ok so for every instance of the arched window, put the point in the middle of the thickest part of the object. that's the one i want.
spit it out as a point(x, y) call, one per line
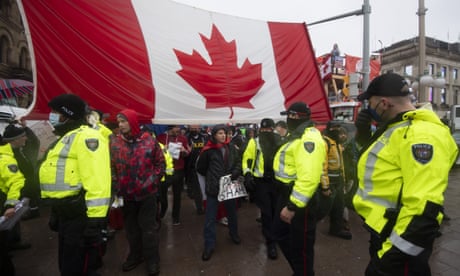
point(24, 59)
point(4, 49)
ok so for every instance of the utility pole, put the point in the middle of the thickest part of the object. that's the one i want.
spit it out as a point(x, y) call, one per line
point(366, 11)
point(366, 51)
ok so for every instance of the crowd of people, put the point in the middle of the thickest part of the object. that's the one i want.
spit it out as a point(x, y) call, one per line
point(392, 172)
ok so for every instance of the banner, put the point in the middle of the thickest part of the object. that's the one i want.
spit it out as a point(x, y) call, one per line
point(172, 63)
point(230, 189)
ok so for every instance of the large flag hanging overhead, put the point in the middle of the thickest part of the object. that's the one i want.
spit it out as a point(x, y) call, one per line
point(170, 62)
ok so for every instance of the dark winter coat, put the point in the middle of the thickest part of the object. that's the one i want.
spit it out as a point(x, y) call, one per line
point(212, 164)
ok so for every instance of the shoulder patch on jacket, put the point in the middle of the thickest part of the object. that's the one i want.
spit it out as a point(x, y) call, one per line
point(422, 152)
point(92, 144)
point(309, 146)
point(13, 168)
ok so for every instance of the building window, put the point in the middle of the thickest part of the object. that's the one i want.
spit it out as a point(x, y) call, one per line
point(24, 59)
point(443, 71)
point(431, 69)
point(408, 70)
point(455, 74)
point(430, 94)
point(4, 49)
point(443, 96)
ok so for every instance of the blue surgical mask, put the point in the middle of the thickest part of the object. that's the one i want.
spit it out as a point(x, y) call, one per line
point(374, 114)
point(54, 119)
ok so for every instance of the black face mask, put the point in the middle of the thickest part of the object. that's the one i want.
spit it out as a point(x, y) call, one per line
point(292, 124)
point(193, 133)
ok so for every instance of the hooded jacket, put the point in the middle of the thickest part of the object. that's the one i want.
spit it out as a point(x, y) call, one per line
point(138, 162)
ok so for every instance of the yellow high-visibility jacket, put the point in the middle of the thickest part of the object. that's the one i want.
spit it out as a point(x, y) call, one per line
point(253, 159)
point(408, 163)
point(79, 160)
point(333, 167)
point(169, 170)
point(300, 162)
point(11, 178)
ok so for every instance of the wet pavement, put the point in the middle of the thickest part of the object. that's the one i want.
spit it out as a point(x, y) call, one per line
point(181, 246)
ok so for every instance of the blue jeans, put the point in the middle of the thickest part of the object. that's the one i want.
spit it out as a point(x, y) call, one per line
point(210, 221)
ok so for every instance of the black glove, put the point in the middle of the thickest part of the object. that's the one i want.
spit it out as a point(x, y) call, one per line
point(363, 127)
point(249, 182)
point(92, 235)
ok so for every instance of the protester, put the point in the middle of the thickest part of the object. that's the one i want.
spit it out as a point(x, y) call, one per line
point(75, 181)
point(335, 136)
point(298, 166)
point(138, 165)
point(257, 167)
point(177, 146)
point(216, 160)
point(403, 173)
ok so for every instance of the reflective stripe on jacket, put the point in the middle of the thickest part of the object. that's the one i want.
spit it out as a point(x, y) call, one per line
point(300, 162)
point(79, 160)
point(412, 158)
point(11, 178)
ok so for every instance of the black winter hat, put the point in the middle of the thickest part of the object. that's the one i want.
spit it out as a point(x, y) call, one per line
point(12, 133)
point(387, 85)
point(267, 123)
point(70, 106)
point(299, 108)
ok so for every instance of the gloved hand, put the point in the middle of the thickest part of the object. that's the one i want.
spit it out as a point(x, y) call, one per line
point(249, 182)
point(363, 127)
point(92, 235)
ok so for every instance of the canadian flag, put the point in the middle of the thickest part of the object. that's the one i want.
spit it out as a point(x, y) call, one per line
point(355, 64)
point(325, 67)
point(170, 62)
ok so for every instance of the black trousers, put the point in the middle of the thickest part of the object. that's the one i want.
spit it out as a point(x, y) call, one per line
point(266, 198)
point(177, 182)
point(296, 240)
point(338, 205)
point(395, 262)
point(76, 257)
point(142, 230)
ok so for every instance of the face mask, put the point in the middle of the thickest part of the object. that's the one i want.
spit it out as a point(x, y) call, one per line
point(292, 124)
point(374, 114)
point(54, 119)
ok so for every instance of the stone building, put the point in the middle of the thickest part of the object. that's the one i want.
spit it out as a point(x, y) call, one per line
point(15, 61)
point(442, 61)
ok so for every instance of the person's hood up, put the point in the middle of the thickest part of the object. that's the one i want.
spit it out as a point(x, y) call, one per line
point(131, 117)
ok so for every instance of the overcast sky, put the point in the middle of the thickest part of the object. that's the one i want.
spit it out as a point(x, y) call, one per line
point(390, 20)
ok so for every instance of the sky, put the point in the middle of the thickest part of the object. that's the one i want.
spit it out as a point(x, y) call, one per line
point(390, 20)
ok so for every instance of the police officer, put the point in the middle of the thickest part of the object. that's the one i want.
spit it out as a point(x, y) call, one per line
point(403, 173)
point(298, 165)
point(11, 183)
point(75, 179)
point(258, 164)
point(335, 136)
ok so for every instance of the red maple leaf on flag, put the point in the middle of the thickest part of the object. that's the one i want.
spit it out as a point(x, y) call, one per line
point(222, 83)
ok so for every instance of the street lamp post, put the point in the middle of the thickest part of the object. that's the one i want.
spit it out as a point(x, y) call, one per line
point(422, 50)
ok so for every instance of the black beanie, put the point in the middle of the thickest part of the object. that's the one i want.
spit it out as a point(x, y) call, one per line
point(13, 132)
point(69, 105)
